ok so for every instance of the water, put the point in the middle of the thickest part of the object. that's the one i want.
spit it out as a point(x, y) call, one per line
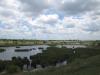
point(75, 46)
point(72, 46)
point(10, 51)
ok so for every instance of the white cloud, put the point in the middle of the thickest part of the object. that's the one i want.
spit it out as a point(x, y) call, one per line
point(50, 19)
point(46, 19)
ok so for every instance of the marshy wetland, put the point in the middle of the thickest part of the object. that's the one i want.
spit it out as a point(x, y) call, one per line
point(48, 58)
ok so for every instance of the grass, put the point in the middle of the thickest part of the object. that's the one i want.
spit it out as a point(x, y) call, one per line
point(86, 52)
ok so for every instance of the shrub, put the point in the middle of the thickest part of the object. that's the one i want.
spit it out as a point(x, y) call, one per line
point(51, 56)
point(12, 69)
point(2, 50)
point(2, 66)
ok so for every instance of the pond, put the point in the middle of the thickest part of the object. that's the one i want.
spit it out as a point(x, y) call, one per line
point(11, 51)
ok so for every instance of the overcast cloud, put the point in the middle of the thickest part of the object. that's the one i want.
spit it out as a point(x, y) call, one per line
point(50, 19)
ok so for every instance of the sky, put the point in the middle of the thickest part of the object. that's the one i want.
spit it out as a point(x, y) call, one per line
point(50, 19)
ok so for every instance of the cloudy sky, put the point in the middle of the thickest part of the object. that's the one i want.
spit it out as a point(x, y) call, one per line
point(50, 19)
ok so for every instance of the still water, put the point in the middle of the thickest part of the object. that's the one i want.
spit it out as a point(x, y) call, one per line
point(10, 51)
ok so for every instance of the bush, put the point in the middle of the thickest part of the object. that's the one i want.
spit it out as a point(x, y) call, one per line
point(51, 56)
point(2, 50)
point(2, 66)
point(12, 69)
point(86, 52)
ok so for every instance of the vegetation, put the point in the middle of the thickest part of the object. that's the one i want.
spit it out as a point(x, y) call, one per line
point(16, 65)
point(85, 61)
point(88, 66)
point(12, 69)
point(2, 66)
point(5, 42)
point(21, 42)
point(20, 62)
point(51, 56)
point(86, 52)
point(2, 50)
